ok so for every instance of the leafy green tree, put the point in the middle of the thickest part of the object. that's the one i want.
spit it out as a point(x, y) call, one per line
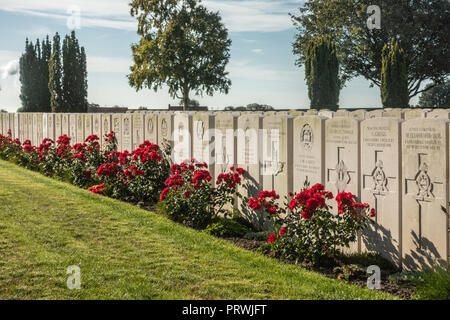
point(322, 74)
point(182, 45)
point(437, 97)
point(394, 78)
point(55, 76)
point(420, 26)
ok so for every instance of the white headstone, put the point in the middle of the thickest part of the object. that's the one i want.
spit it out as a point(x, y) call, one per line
point(138, 129)
point(127, 132)
point(151, 127)
point(425, 152)
point(225, 141)
point(309, 151)
point(182, 137)
point(381, 185)
point(342, 160)
point(116, 127)
point(165, 128)
point(249, 146)
point(277, 156)
point(203, 140)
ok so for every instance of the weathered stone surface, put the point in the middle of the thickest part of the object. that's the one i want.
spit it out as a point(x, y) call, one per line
point(106, 126)
point(58, 125)
point(311, 112)
point(309, 151)
point(79, 118)
point(182, 137)
point(381, 185)
point(277, 156)
point(425, 166)
point(73, 124)
point(151, 127)
point(342, 113)
point(439, 113)
point(326, 113)
point(342, 161)
point(127, 132)
point(203, 140)
point(361, 114)
point(88, 124)
point(415, 113)
point(249, 146)
point(138, 129)
point(97, 125)
point(16, 126)
point(116, 127)
point(22, 126)
point(225, 141)
point(374, 114)
point(165, 128)
point(394, 113)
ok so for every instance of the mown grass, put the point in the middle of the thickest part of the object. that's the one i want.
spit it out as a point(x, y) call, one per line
point(128, 253)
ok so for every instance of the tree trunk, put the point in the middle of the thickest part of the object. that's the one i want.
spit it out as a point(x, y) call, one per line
point(185, 97)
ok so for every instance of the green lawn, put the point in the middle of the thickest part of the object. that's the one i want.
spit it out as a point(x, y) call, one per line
point(128, 253)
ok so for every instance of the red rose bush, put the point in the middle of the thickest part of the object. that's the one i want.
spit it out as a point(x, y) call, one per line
point(136, 176)
point(306, 227)
point(190, 196)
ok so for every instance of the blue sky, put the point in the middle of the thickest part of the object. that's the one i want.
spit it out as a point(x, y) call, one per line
point(261, 67)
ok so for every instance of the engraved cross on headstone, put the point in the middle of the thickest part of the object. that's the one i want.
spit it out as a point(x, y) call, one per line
point(341, 173)
point(377, 182)
point(273, 166)
point(422, 188)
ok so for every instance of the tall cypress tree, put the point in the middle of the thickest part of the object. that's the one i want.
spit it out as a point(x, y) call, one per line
point(394, 77)
point(28, 71)
point(44, 71)
point(54, 81)
point(74, 81)
point(55, 77)
point(322, 74)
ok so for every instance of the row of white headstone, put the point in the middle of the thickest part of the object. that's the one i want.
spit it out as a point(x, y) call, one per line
point(400, 167)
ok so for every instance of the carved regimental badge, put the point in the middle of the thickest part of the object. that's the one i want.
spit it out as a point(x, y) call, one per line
point(307, 137)
point(343, 177)
point(379, 179)
point(423, 182)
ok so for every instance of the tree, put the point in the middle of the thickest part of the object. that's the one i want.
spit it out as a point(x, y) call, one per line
point(55, 76)
point(182, 45)
point(250, 107)
point(29, 77)
point(420, 26)
point(74, 81)
point(437, 97)
point(394, 79)
point(322, 74)
point(52, 81)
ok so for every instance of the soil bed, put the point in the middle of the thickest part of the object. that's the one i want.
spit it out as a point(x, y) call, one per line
point(402, 290)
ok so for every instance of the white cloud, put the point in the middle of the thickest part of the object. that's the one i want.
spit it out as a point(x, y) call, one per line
point(257, 51)
point(10, 69)
point(239, 16)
